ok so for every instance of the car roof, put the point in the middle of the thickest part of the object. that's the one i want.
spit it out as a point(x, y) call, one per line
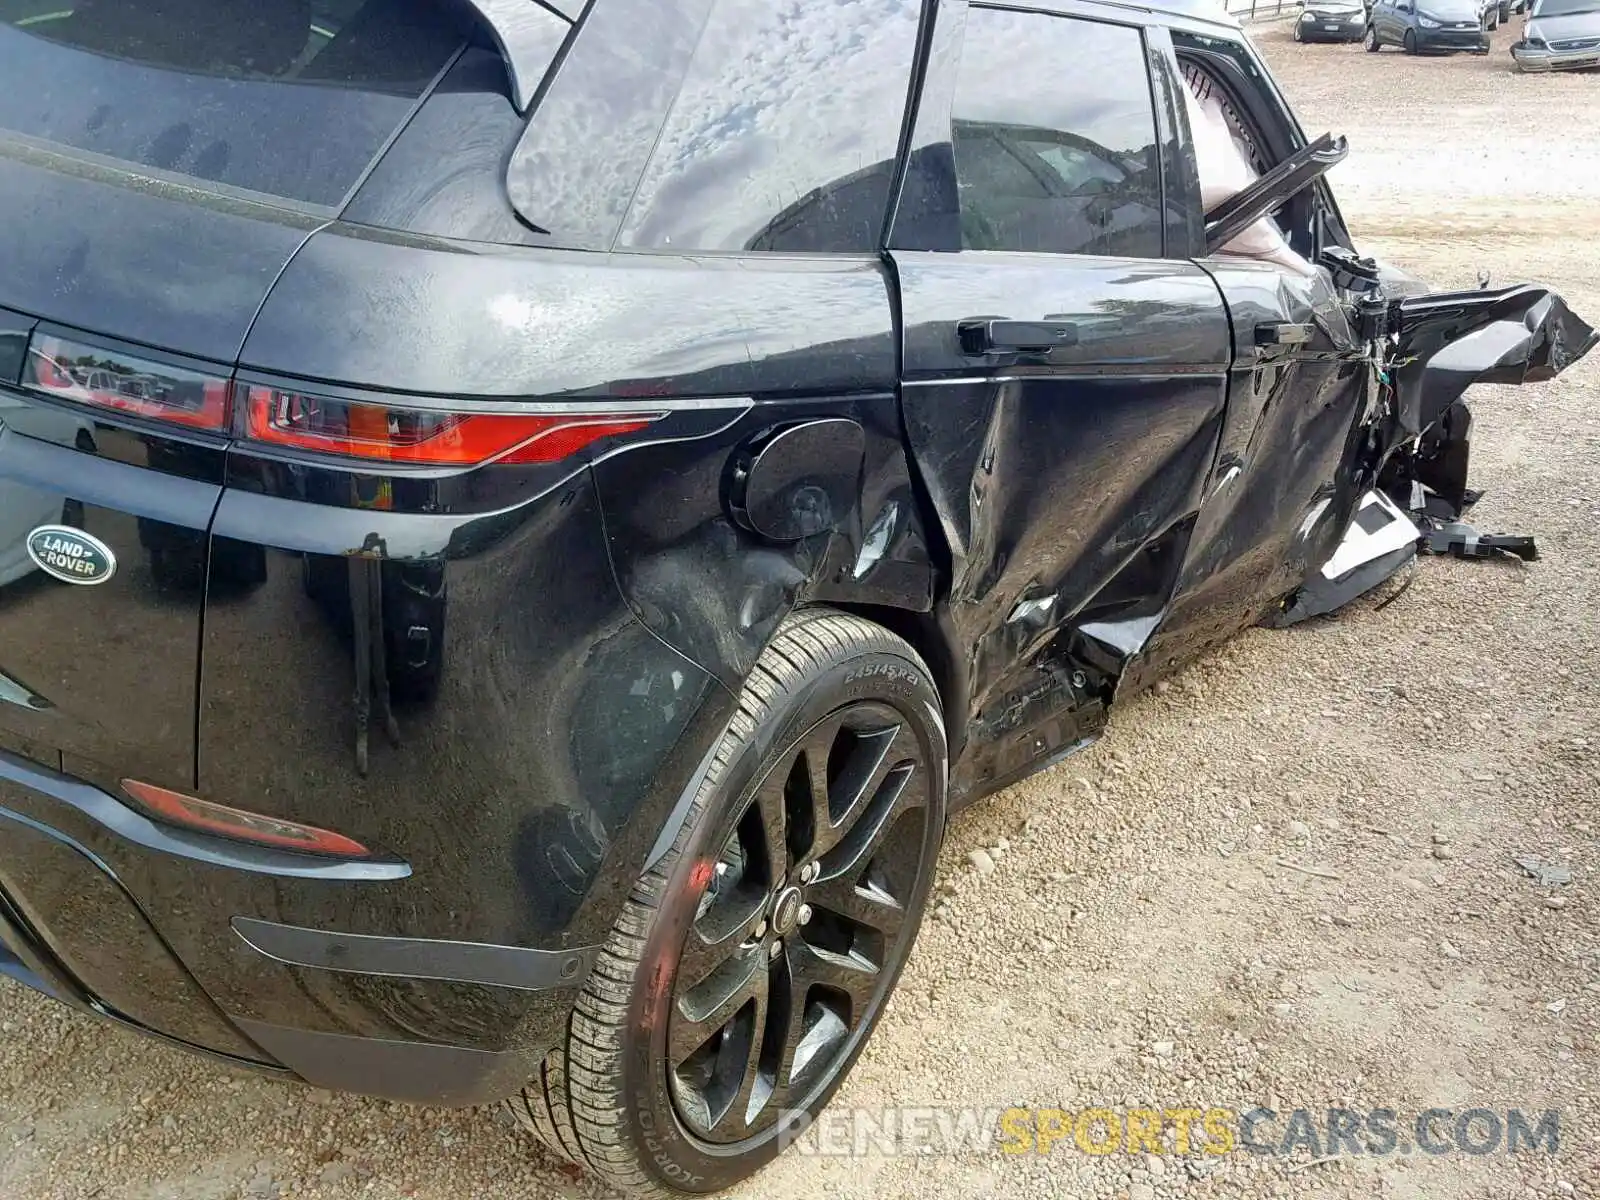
point(523, 31)
point(1214, 11)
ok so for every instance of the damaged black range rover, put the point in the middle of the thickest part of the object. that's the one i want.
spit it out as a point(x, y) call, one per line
point(520, 521)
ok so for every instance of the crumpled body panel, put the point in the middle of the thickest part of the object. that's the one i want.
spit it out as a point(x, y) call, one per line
point(1450, 340)
point(1065, 481)
point(1101, 532)
point(1283, 491)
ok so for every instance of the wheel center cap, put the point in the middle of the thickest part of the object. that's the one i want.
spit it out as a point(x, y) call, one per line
point(786, 910)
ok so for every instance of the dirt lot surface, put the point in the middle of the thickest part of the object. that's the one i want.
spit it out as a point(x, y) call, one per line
point(1138, 940)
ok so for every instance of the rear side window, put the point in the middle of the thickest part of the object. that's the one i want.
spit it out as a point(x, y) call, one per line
point(784, 133)
point(290, 98)
point(721, 125)
point(1054, 135)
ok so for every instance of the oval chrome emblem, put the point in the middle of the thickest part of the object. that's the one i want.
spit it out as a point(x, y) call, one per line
point(71, 555)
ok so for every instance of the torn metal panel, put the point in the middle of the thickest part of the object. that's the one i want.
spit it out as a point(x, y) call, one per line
point(1282, 492)
point(1435, 347)
point(1378, 530)
point(1065, 478)
point(1448, 341)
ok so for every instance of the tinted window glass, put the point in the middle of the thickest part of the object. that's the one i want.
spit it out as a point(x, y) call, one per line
point(578, 164)
point(927, 213)
point(286, 97)
point(784, 132)
point(1055, 137)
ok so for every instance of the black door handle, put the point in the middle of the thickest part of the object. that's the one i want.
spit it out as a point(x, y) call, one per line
point(1273, 334)
point(983, 336)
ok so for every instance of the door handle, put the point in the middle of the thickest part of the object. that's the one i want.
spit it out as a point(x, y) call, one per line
point(983, 336)
point(1285, 334)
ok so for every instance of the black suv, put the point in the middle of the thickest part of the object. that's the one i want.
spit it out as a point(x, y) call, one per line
point(522, 520)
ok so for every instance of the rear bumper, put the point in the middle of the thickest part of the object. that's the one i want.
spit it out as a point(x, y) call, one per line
point(1555, 60)
point(541, 738)
point(26, 960)
point(72, 858)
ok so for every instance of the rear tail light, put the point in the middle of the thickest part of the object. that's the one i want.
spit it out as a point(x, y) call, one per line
point(109, 379)
point(374, 433)
point(423, 437)
point(205, 817)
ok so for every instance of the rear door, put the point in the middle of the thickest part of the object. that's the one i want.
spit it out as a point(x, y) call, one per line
point(1284, 489)
point(1064, 364)
point(160, 162)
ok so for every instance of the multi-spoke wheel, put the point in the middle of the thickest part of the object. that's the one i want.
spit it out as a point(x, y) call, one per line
point(753, 961)
point(793, 936)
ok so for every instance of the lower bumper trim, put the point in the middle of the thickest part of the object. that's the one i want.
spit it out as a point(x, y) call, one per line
point(418, 958)
point(410, 1072)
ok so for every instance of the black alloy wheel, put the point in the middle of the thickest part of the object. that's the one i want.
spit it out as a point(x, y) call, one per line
point(752, 961)
point(800, 920)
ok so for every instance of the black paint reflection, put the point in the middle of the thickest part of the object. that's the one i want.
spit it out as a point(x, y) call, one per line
point(578, 164)
point(845, 214)
point(391, 615)
point(445, 174)
point(24, 508)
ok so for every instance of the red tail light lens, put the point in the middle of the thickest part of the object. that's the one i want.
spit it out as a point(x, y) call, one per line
point(373, 433)
point(109, 379)
point(206, 817)
point(421, 437)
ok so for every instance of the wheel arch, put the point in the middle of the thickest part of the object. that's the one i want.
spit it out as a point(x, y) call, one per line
point(615, 1073)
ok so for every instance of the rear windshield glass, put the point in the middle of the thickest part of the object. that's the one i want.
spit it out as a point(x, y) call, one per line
point(291, 98)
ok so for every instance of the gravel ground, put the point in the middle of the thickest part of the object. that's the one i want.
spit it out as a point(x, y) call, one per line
point(1138, 941)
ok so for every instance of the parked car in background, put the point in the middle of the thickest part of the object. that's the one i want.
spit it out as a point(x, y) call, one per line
point(1330, 21)
point(1561, 35)
point(1509, 9)
point(1427, 26)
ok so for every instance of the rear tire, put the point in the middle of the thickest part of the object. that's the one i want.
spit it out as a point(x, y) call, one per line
point(1371, 41)
point(750, 965)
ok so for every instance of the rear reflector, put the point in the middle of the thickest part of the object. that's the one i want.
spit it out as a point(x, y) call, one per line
point(109, 379)
point(206, 817)
point(423, 437)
